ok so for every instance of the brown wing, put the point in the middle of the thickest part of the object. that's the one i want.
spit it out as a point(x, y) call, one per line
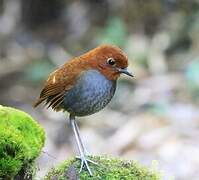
point(57, 84)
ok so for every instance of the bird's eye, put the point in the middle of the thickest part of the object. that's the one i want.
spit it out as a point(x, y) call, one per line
point(111, 61)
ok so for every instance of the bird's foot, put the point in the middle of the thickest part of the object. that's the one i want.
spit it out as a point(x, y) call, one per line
point(84, 162)
point(90, 161)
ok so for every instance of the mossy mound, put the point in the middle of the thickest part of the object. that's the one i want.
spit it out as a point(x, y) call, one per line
point(107, 169)
point(21, 141)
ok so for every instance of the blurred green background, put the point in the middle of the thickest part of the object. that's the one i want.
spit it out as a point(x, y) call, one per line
point(152, 117)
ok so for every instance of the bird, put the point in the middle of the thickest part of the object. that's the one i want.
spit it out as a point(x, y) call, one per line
point(83, 86)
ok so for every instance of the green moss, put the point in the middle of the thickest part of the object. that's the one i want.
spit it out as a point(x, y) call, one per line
point(107, 169)
point(21, 140)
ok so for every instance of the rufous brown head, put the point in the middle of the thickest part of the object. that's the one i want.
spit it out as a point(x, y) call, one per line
point(109, 60)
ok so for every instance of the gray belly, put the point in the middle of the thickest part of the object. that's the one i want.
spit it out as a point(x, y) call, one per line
point(92, 92)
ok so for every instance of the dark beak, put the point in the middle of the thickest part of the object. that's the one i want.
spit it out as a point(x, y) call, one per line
point(124, 71)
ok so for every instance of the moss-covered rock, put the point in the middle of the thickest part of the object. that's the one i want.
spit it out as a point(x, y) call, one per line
point(21, 141)
point(107, 169)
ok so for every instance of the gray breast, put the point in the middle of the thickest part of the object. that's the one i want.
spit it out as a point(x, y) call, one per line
point(92, 92)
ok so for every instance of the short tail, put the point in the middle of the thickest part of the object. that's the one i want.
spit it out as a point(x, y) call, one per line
point(38, 102)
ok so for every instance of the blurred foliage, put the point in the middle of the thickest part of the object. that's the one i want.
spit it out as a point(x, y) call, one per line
point(113, 33)
point(39, 70)
point(158, 109)
point(192, 74)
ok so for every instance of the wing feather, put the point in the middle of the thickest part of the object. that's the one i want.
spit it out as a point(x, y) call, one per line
point(59, 82)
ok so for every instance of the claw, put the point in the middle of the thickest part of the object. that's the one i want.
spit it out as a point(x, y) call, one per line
point(88, 160)
point(82, 165)
point(84, 161)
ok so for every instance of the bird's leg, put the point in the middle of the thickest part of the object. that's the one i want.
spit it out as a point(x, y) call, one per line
point(78, 134)
point(80, 146)
point(83, 147)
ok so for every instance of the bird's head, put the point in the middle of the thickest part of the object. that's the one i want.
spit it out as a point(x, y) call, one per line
point(109, 60)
